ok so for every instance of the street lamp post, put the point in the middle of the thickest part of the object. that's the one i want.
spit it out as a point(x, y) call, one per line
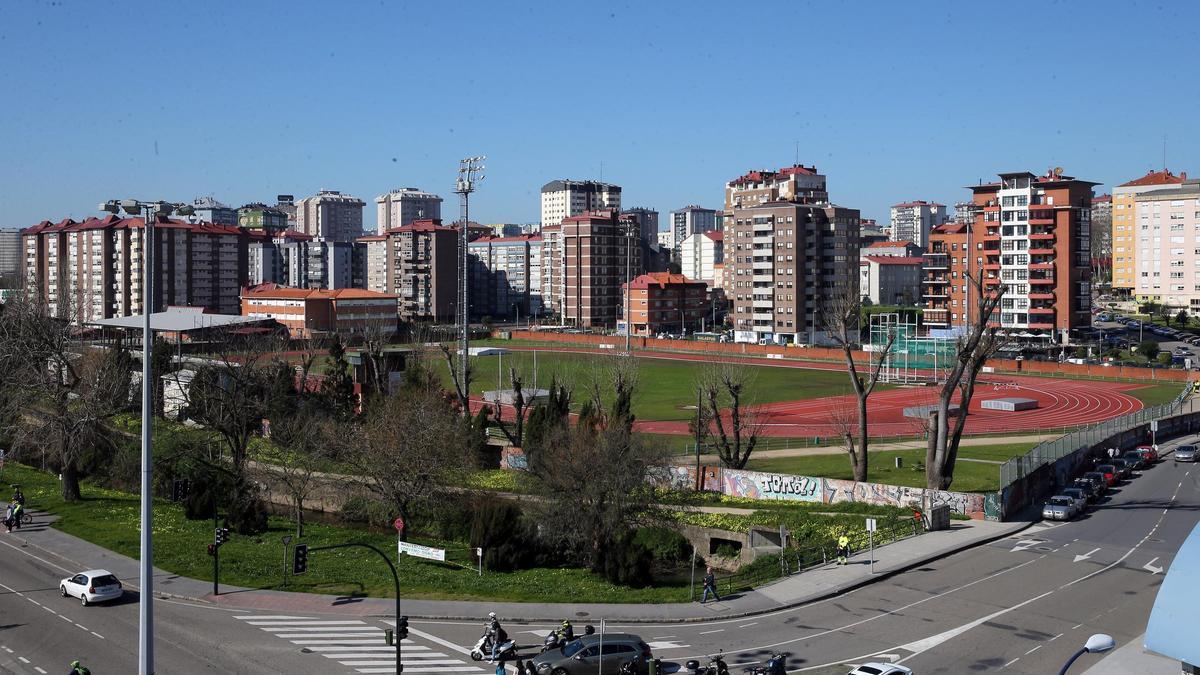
point(149, 211)
point(1095, 644)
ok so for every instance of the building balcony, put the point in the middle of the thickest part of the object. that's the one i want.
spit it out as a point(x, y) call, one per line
point(936, 293)
point(1041, 310)
point(941, 281)
point(1041, 207)
point(991, 236)
point(1039, 281)
point(1042, 236)
point(936, 261)
point(991, 266)
point(1041, 296)
point(1041, 265)
point(1041, 251)
point(1047, 219)
point(1042, 326)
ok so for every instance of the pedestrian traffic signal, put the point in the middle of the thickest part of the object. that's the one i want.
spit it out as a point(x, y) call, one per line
point(212, 549)
point(300, 559)
point(402, 628)
point(180, 489)
point(222, 535)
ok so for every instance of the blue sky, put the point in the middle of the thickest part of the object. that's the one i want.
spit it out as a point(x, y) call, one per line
point(891, 100)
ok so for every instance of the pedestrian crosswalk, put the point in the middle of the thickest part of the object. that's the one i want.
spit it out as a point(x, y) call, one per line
point(358, 644)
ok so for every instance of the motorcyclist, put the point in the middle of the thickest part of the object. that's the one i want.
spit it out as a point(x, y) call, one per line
point(77, 669)
point(843, 549)
point(496, 634)
point(566, 632)
point(18, 496)
point(17, 511)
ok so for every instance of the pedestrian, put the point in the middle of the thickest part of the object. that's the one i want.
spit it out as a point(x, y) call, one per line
point(501, 668)
point(1112, 453)
point(710, 586)
point(530, 669)
point(843, 546)
point(8, 516)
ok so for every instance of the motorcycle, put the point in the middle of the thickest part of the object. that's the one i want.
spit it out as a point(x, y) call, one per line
point(716, 665)
point(553, 641)
point(483, 649)
point(774, 666)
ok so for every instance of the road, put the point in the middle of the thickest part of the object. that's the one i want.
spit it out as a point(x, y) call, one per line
point(1020, 605)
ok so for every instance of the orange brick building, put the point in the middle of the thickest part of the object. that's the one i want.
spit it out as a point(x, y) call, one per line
point(311, 312)
point(661, 302)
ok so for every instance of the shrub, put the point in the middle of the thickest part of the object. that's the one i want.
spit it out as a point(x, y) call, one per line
point(365, 510)
point(666, 547)
point(509, 541)
point(627, 562)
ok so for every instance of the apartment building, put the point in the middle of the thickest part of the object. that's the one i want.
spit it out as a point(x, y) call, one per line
point(553, 270)
point(702, 256)
point(402, 206)
point(10, 254)
point(295, 259)
point(506, 276)
point(1168, 245)
point(209, 210)
point(1031, 236)
point(308, 313)
point(964, 213)
point(597, 251)
point(688, 221)
point(566, 198)
point(418, 263)
point(330, 215)
point(787, 249)
point(1126, 232)
point(890, 248)
point(647, 220)
point(92, 270)
point(661, 302)
point(1102, 241)
point(869, 232)
point(912, 221)
point(259, 216)
point(890, 280)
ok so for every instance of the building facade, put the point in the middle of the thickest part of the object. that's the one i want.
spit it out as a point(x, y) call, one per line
point(702, 255)
point(418, 263)
point(10, 254)
point(506, 276)
point(912, 221)
point(904, 249)
point(402, 206)
point(566, 198)
point(691, 220)
point(1126, 232)
point(308, 313)
point(209, 210)
point(890, 280)
point(259, 216)
point(661, 302)
point(599, 255)
point(330, 215)
point(1168, 245)
point(647, 220)
point(947, 262)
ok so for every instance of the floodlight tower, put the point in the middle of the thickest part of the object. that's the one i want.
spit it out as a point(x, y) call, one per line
point(470, 172)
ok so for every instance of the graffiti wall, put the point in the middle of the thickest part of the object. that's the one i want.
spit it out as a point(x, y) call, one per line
point(758, 485)
point(513, 458)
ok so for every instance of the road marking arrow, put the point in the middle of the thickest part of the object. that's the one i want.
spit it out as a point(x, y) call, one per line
point(1025, 544)
point(1152, 568)
point(1087, 555)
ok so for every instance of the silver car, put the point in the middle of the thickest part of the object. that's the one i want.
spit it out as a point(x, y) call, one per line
point(583, 656)
point(1059, 507)
point(1185, 453)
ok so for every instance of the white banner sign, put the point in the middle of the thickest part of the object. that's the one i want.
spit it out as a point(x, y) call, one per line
point(422, 551)
point(871, 527)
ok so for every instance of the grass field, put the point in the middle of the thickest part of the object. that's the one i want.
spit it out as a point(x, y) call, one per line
point(1157, 394)
point(968, 476)
point(666, 389)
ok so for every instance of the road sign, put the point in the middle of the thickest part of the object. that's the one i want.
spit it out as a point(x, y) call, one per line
point(420, 551)
point(871, 525)
point(398, 524)
point(1153, 425)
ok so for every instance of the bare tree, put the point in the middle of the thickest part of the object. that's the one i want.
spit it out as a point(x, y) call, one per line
point(724, 385)
point(301, 446)
point(461, 388)
point(521, 406)
point(842, 318)
point(407, 448)
point(973, 348)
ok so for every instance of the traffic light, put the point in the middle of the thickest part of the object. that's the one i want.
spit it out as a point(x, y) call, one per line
point(402, 628)
point(212, 549)
point(300, 559)
point(180, 489)
point(222, 535)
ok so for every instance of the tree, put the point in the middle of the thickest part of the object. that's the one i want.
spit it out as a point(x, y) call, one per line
point(301, 445)
point(842, 317)
point(338, 385)
point(1181, 319)
point(59, 396)
point(1164, 358)
point(407, 448)
point(546, 421)
point(723, 385)
point(1149, 308)
point(979, 342)
point(462, 386)
point(520, 405)
point(1148, 349)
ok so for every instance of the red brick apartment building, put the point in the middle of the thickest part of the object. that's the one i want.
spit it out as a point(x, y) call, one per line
point(661, 302)
point(1032, 236)
point(594, 249)
point(418, 263)
point(310, 312)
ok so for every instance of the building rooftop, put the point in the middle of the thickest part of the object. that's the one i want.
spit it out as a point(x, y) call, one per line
point(919, 202)
point(1102, 199)
point(564, 183)
point(490, 239)
point(426, 225)
point(715, 235)
point(762, 175)
point(178, 319)
point(893, 259)
point(889, 244)
point(208, 203)
point(950, 228)
point(661, 280)
point(287, 292)
point(1164, 177)
point(115, 222)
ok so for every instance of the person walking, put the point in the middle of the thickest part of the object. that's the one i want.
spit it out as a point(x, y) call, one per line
point(502, 667)
point(843, 549)
point(530, 669)
point(710, 586)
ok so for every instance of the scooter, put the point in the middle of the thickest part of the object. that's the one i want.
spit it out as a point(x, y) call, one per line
point(716, 665)
point(553, 641)
point(483, 649)
point(774, 666)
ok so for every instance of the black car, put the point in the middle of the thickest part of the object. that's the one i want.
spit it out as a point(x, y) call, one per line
point(1124, 467)
point(1088, 487)
point(1136, 457)
point(1099, 479)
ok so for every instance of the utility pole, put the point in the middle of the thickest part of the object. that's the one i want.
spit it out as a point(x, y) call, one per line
point(470, 171)
point(628, 278)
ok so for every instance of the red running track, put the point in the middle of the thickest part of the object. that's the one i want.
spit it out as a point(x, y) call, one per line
point(1061, 403)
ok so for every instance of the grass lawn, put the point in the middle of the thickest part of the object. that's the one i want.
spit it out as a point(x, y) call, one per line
point(110, 519)
point(666, 389)
point(1156, 394)
point(968, 476)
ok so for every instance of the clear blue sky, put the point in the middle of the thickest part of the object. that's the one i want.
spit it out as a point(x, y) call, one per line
point(892, 100)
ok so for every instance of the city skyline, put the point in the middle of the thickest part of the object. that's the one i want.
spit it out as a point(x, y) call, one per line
point(249, 114)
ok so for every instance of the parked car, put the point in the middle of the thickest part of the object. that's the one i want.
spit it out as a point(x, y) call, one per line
point(1124, 468)
point(1080, 497)
point(582, 656)
point(1099, 479)
point(1059, 507)
point(1090, 490)
point(1110, 473)
point(1151, 451)
point(1185, 453)
point(1138, 460)
point(880, 669)
point(91, 586)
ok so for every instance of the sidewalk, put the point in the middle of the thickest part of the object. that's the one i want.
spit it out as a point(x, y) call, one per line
point(1134, 658)
point(73, 554)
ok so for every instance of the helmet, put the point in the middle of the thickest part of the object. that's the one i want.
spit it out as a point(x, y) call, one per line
point(74, 664)
point(566, 622)
point(491, 615)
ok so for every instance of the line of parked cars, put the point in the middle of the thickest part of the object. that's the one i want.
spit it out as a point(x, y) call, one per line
point(1088, 488)
point(1161, 331)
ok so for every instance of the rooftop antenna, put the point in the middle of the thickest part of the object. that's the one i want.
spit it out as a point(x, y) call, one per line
point(1164, 164)
point(470, 172)
point(601, 171)
point(797, 162)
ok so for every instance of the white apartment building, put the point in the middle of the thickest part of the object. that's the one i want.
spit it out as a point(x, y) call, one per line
point(10, 253)
point(506, 276)
point(890, 280)
point(691, 220)
point(565, 198)
point(1168, 245)
point(912, 221)
point(553, 270)
point(702, 255)
point(402, 206)
point(330, 215)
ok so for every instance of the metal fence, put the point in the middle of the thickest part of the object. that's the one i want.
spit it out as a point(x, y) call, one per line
point(1051, 451)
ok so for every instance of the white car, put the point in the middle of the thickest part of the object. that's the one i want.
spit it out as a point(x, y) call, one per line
point(91, 586)
point(880, 669)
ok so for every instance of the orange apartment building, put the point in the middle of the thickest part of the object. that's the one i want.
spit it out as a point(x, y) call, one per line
point(661, 302)
point(1032, 237)
point(312, 312)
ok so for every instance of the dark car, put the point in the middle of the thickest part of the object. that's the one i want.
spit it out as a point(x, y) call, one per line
point(1111, 475)
point(1080, 497)
point(1137, 458)
point(582, 656)
point(1124, 467)
point(1100, 480)
point(1087, 487)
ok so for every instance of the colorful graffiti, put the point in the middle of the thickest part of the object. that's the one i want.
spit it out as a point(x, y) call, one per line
point(758, 485)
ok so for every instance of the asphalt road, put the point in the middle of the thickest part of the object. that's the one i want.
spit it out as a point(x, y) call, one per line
point(1020, 605)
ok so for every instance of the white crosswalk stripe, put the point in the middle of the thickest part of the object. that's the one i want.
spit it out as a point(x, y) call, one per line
point(357, 644)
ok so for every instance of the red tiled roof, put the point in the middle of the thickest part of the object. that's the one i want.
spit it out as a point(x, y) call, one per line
point(919, 202)
point(715, 235)
point(116, 222)
point(760, 175)
point(490, 239)
point(889, 244)
point(427, 225)
point(1164, 177)
point(1102, 199)
point(950, 228)
point(272, 291)
point(660, 279)
point(893, 259)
